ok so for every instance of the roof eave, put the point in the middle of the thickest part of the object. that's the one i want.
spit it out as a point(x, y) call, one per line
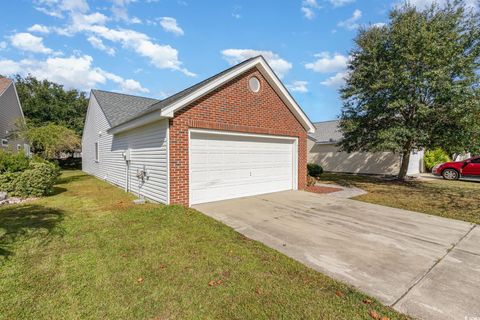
point(137, 122)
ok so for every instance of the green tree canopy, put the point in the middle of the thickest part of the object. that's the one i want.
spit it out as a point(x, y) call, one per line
point(47, 102)
point(51, 140)
point(414, 83)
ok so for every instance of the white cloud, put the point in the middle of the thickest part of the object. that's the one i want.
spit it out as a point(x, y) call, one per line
point(28, 42)
point(73, 72)
point(234, 56)
point(39, 28)
point(120, 12)
point(298, 86)
point(169, 24)
point(340, 3)
point(310, 3)
point(161, 56)
point(3, 45)
point(98, 44)
point(352, 22)
point(379, 24)
point(55, 8)
point(335, 81)
point(423, 4)
point(308, 13)
point(308, 7)
point(94, 24)
point(327, 63)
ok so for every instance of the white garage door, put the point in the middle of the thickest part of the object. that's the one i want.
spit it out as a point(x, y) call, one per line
point(226, 165)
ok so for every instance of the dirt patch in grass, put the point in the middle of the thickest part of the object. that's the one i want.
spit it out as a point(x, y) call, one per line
point(318, 189)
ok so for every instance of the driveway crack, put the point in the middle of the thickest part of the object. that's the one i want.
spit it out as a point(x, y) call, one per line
point(433, 266)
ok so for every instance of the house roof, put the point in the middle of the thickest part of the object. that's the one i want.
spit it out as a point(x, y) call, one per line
point(167, 107)
point(327, 132)
point(119, 107)
point(4, 84)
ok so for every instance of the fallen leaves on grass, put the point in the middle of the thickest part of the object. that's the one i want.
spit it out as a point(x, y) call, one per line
point(374, 314)
point(215, 283)
point(367, 301)
point(339, 294)
point(140, 280)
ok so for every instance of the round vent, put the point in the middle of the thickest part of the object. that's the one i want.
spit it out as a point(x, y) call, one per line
point(254, 84)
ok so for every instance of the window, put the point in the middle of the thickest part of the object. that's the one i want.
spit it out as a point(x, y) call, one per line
point(477, 160)
point(96, 152)
point(4, 142)
point(254, 84)
point(19, 147)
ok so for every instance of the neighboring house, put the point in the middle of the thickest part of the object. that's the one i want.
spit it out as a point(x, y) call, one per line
point(10, 115)
point(238, 133)
point(322, 150)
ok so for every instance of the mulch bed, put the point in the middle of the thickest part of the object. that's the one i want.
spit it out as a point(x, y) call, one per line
point(317, 189)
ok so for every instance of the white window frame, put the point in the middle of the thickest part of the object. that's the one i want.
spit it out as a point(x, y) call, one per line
point(96, 151)
point(19, 147)
point(4, 142)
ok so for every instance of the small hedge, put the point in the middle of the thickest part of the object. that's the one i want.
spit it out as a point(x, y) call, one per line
point(13, 162)
point(36, 180)
point(314, 170)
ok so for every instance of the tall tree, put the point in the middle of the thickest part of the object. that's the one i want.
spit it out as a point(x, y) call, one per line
point(47, 102)
point(414, 83)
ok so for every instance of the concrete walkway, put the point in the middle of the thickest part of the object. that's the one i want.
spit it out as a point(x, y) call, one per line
point(421, 265)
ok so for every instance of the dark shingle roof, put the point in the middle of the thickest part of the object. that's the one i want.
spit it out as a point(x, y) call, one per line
point(327, 132)
point(119, 107)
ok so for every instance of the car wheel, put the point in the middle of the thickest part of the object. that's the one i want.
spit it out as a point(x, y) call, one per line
point(450, 174)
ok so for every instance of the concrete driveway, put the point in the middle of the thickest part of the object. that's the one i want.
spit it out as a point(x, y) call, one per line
point(421, 265)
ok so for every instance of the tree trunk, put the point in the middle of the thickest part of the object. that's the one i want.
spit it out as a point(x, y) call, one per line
point(404, 165)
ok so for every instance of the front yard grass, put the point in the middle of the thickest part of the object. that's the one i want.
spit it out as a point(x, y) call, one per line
point(450, 199)
point(87, 252)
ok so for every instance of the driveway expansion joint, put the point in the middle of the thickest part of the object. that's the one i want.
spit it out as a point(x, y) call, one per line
point(433, 266)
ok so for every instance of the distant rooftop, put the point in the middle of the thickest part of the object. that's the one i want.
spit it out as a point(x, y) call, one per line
point(4, 83)
point(327, 132)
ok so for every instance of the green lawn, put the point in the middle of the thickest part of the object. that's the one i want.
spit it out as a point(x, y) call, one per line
point(87, 253)
point(450, 199)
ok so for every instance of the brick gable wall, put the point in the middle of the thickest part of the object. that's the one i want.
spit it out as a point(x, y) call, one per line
point(232, 107)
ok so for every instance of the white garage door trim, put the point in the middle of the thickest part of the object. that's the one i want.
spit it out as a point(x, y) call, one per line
point(294, 141)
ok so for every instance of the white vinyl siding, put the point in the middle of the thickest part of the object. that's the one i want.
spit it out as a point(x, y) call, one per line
point(226, 166)
point(148, 150)
point(10, 114)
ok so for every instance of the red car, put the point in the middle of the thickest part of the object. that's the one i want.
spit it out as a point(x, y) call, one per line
point(458, 169)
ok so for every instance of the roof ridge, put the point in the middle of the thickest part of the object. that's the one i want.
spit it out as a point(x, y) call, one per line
point(326, 121)
point(126, 94)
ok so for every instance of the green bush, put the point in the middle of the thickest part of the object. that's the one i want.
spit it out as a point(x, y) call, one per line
point(7, 181)
point(314, 170)
point(13, 162)
point(38, 180)
point(434, 157)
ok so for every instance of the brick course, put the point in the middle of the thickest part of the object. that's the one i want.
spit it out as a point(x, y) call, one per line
point(232, 107)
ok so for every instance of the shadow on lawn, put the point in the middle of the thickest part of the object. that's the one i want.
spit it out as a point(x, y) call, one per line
point(21, 223)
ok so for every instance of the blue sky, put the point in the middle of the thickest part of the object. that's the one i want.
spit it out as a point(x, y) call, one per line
point(157, 47)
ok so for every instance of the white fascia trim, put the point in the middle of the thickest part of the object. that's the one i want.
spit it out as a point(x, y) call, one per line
point(266, 70)
point(138, 122)
point(242, 134)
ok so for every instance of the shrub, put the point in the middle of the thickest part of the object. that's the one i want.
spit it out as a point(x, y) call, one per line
point(434, 157)
point(314, 170)
point(7, 181)
point(13, 162)
point(37, 180)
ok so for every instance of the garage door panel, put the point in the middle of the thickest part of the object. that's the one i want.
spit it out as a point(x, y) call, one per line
point(230, 166)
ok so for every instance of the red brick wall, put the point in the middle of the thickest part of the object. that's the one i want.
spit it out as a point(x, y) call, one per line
point(232, 107)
